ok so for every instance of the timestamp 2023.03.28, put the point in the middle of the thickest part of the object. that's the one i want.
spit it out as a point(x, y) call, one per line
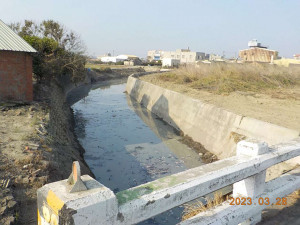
point(259, 201)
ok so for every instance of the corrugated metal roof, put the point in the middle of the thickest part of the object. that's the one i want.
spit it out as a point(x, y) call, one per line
point(10, 41)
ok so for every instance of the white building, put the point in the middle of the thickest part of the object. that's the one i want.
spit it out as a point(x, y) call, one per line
point(108, 59)
point(168, 62)
point(297, 56)
point(119, 58)
point(185, 56)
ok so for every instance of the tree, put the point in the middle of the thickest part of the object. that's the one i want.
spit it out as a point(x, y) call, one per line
point(60, 51)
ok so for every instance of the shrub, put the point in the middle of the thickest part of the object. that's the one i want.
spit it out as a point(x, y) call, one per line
point(59, 51)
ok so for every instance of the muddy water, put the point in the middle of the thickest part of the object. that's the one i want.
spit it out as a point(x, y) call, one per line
point(126, 145)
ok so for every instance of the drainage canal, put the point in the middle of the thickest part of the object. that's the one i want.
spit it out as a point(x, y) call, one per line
point(126, 145)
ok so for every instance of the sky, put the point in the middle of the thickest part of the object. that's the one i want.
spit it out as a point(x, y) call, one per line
point(136, 26)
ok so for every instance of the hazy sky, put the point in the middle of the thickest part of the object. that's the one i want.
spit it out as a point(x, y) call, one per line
point(135, 26)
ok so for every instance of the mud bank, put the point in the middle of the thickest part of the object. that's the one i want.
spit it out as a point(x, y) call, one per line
point(63, 94)
point(217, 129)
point(61, 128)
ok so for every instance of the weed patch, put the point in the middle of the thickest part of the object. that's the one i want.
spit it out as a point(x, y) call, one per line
point(227, 78)
point(192, 209)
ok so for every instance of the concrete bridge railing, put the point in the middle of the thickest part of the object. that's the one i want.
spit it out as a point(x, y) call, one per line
point(83, 200)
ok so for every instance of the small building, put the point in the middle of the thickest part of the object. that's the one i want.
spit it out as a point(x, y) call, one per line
point(297, 56)
point(110, 59)
point(168, 62)
point(185, 56)
point(127, 57)
point(257, 53)
point(15, 66)
point(133, 62)
point(214, 57)
point(119, 58)
point(287, 62)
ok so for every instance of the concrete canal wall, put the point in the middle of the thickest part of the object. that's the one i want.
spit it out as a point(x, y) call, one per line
point(217, 129)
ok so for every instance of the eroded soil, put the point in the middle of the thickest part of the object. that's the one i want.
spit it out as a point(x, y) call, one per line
point(24, 160)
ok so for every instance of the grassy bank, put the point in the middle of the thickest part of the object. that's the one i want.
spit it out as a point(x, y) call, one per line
point(265, 92)
point(227, 78)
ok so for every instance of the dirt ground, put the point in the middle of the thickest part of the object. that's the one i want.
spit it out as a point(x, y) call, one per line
point(24, 160)
point(281, 107)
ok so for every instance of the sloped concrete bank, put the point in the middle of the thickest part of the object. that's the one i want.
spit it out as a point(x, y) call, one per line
point(217, 129)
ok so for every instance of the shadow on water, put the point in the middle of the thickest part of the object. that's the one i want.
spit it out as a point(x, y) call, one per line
point(80, 92)
point(126, 145)
point(168, 134)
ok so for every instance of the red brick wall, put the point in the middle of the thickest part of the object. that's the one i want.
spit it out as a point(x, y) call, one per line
point(15, 76)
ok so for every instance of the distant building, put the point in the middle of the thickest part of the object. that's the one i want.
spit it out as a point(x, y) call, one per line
point(110, 59)
point(257, 53)
point(133, 62)
point(15, 66)
point(297, 56)
point(119, 58)
point(154, 55)
point(207, 56)
point(185, 56)
point(168, 62)
point(213, 57)
point(287, 62)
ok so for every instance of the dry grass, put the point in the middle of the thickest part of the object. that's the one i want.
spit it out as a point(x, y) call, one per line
point(227, 78)
point(237, 137)
point(102, 66)
point(192, 209)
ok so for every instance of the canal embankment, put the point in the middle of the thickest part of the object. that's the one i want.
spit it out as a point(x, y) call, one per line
point(38, 145)
point(126, 145)
point(217, 129)
point(64, 92)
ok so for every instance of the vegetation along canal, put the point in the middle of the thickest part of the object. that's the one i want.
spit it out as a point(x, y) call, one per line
point(126, 145)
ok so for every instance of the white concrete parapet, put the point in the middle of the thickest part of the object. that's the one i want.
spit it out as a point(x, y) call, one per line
point(235, 214)
point(99, 205)
point(255, 185)
point(59, 204)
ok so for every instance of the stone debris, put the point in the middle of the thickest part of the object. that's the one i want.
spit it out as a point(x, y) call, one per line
point(11, 204)
point(18, 113)
point(5, 183)
point(7, 207)
point(32, 108)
